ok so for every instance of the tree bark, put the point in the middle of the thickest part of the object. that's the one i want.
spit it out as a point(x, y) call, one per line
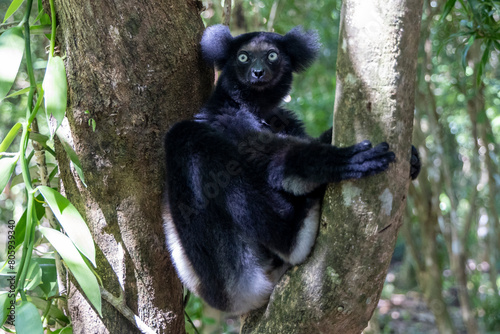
point(337, 289)
point(136, 67)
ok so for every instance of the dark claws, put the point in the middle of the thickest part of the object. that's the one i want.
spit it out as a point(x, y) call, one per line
point(366, 143)
point(382, 147)
point(415, 164)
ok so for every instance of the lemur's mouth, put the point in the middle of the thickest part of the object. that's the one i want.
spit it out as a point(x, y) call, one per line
point(259, 82)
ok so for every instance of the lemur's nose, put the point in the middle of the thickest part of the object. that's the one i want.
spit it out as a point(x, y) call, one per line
point(257, 73)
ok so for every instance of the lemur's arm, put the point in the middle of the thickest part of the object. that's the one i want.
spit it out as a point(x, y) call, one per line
point(299, 166)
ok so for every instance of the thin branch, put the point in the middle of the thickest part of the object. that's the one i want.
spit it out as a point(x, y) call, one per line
point(226, 13)
point(272, 15)
point(120, 306)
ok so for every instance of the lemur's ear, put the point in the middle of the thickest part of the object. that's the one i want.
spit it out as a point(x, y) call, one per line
point(215, 45)
point(302, 47)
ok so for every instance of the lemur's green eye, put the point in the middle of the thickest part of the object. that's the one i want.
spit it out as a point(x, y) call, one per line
point(243, 58)
point(272, 56)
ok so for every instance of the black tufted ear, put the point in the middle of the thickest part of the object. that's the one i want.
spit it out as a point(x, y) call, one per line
point(215, 45)
point(302, 47)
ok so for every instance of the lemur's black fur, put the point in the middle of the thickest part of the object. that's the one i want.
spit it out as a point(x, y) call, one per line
point(244, 181)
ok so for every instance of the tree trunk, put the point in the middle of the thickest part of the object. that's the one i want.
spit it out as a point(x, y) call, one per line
point(426, 199)
point(136, 67)
point(337, 289)
point(429, 272)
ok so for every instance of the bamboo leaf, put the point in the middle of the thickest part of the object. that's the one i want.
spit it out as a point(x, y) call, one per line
point(474, 8)
point(466, 50)
point(56, 89)
point(10, 137)
point(28, 319)
point(76, 264)
point(7, 166)
point(483, 62)
point(447, 9)
point(14, 6)
point(11, 54)
point(497, 45)
point(71, 220)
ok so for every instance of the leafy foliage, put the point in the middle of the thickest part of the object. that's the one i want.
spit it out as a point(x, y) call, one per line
point(479, 23)
point(35, 286)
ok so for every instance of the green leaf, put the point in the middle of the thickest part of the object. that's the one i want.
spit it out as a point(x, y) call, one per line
point(39, 16)
point(71, 220)
point(20, 179)
point(14, 6)
point(27, 89)
point(49, 275)
point(56, 89)
point(53, 173)
point(19, 92)
point(497, 45)
point(54, 312)
point(28, 319)
point(52, 168)
point(11, 54)
point(72, 156)
point(7, 166)
point(34, 276)
point(474, 8)
point(93, 124)
point(10, 137)
point(447, 9)
point(466, 50)
point(6, 299)
point(483, 62)
point(76, 264)
point(42, 139)
point(20, 228)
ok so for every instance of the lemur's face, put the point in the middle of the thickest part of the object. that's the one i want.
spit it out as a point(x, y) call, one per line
point(257, 64)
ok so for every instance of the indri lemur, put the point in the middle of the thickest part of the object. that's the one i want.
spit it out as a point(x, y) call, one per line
point(244, 181)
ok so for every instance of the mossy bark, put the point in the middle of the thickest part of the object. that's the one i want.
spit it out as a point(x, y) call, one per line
point(135, 66)
point(337, 289)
